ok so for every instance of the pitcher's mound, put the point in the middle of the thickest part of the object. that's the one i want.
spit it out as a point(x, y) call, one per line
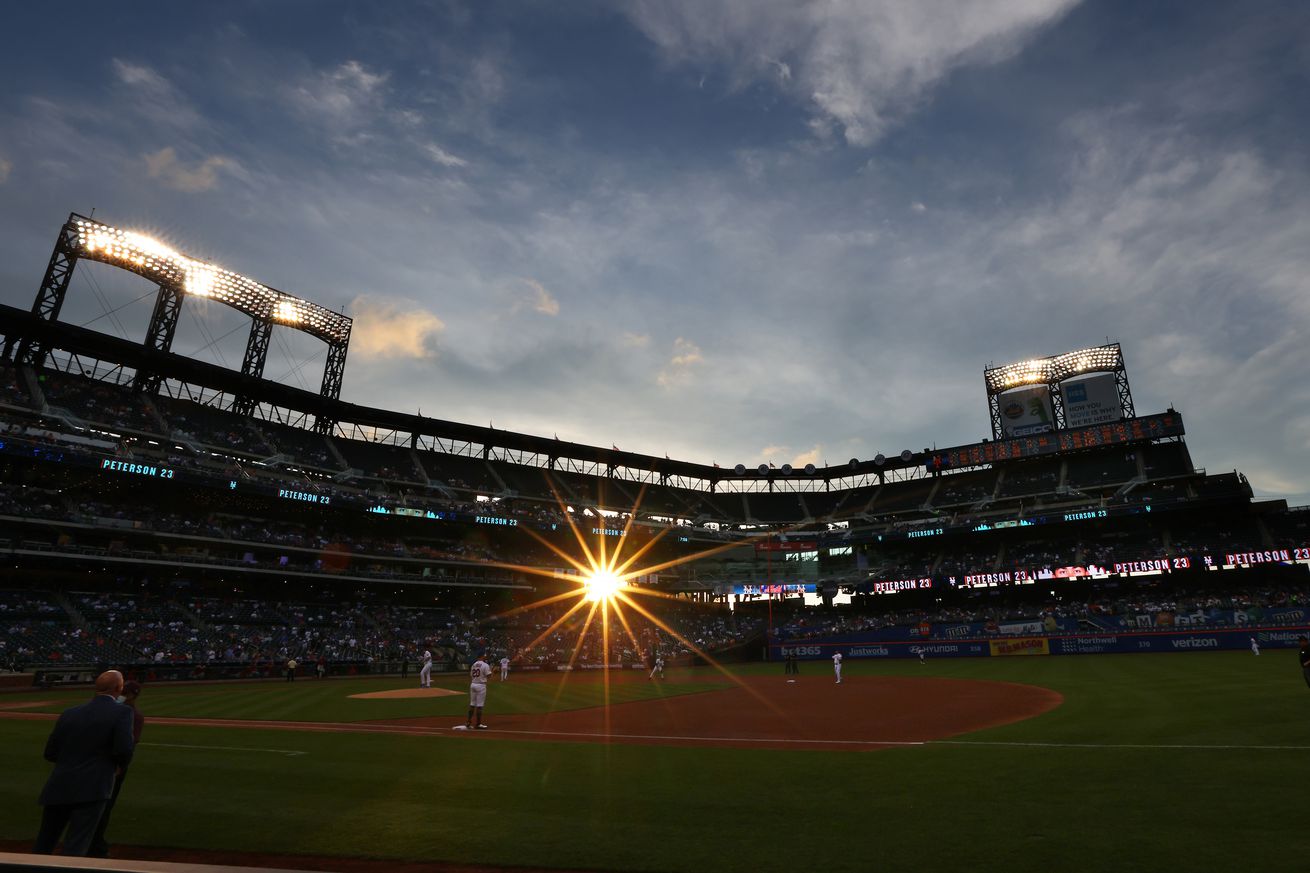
point(406, 693)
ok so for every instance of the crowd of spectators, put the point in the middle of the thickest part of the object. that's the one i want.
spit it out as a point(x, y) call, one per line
point(135, 628)
point(1238, 606)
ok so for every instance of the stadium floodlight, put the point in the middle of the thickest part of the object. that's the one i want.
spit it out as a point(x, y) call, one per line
point(148, 257)
point(1056, 368)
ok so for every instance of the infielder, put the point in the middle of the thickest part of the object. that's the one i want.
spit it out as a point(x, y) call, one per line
point(478, 674)
point(504, 668)
point(836, 666)
point(658, 668)
point(425, 675)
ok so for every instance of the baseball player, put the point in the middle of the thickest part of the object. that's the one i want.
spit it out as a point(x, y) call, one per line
point(1255, 647)
point(504, 668)
point(658, 668)
point(425, 675)
point(836, 666)
point(478, 674)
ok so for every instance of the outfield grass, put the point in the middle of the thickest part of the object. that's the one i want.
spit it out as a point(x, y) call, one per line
point(1098, 803)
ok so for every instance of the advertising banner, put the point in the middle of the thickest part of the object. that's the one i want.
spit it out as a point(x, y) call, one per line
point(1026, 411)
point(1229, 639)
point(1020, 646)
point(1091, 400)
point(772, 545)
point(1177, 641)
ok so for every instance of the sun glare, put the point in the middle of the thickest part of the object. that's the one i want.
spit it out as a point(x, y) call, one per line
point(603, 585)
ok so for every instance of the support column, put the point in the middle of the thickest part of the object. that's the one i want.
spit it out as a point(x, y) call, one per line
point(50, 296)
point(159, 335)
point(333, 372)
point(261, 331)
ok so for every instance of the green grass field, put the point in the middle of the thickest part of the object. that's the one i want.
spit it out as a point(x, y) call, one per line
point(1154, 762)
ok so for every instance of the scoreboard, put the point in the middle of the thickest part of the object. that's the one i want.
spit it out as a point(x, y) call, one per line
point(1132, 430)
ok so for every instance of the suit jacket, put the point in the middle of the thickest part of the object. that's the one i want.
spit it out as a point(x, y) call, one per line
point(88, 743)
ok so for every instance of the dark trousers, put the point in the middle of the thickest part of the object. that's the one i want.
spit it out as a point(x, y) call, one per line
point(100, 848)
point(81, 820)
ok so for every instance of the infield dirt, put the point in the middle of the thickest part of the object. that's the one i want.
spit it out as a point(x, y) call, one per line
point(768, 712)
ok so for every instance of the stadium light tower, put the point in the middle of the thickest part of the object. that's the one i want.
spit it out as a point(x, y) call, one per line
point(179, 276)
point(1050, 373)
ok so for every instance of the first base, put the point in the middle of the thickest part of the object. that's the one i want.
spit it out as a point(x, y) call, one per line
point(460, 727)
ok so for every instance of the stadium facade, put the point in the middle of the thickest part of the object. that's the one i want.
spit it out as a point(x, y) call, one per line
point(125, 461)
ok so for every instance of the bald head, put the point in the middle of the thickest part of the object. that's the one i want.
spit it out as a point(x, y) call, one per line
point(109, 682)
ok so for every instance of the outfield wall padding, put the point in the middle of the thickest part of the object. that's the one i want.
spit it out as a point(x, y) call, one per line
point(1219, 639)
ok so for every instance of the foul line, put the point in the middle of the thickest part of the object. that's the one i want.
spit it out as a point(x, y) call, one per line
point(700, 739)
point(290, 753)
point(1148, 746)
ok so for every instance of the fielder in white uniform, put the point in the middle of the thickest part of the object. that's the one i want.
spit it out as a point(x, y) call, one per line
point(425, 675)
point(836, 666)
point(478, 674)
point(1255, 647)
point(504, 669)
point(658, 668)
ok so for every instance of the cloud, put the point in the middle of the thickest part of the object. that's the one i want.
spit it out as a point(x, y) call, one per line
point(139, 76)
point(539, 299)
point(202, 176)
point(635, 340)
point(343, 97)
point(6, 167)
point(809, 456)
point(770, 454)
point(443, 157)
point(384, 330)
point(858, 64)
point(686, 355)
point(152, 96)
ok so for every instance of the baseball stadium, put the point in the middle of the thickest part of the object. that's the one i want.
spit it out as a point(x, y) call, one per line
point(1061, 646)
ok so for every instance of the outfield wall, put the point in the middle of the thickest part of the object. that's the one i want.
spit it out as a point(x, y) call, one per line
point(867, 646)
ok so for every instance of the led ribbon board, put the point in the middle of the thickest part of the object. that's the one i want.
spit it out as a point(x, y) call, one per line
point(150, 258)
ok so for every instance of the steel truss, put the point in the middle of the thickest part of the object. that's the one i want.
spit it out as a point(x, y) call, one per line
point(159, 335)
point(50, 296)
point(178, 275)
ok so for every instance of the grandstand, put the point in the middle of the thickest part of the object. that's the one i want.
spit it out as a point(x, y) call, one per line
point(161, 510)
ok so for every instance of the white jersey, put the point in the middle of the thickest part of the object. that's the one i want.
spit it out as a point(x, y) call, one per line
point(427, 657)
point(479, 672)
point(836, 660)
point(504, 663)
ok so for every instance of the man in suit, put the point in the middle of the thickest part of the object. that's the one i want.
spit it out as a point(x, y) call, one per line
point(89, 746)
point(99, 846)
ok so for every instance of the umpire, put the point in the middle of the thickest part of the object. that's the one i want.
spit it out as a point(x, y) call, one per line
point(89, 746)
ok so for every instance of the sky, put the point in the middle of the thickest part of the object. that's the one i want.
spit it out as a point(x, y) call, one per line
point(731, 231)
